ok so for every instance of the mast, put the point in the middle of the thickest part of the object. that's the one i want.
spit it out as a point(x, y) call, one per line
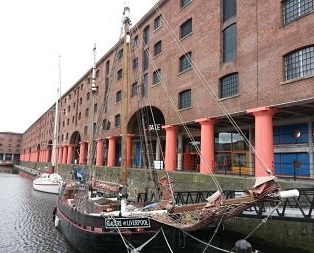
point(92, 130)
point(55, 129)
point(125, 95)
point(124, 110)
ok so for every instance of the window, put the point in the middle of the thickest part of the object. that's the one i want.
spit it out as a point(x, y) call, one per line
point(106, 124)
point(134, 89)
point(118, 96)
point(230, 43)
point(120, 54)
point(157, 48)
point(119, 74)
point(186, 28)
point(185, 2)
point(156, 76)
point(158, 22)
point(185, 62)
point(135, 63)
point(86, 112)
point(228, 85)
point(135, 41)
point(95, 108)
point(146, 35)
point(81, 100)
point(79, 116)
point(299, 63)
point(117, 120)
point(293, 9)
point(97, 73)
point(146, 59)
point(229, 9)
point(107, 67)
point(87, 96)
point(185, 99)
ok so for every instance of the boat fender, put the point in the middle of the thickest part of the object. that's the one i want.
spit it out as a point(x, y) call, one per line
point(57, 220)
point(289, 194)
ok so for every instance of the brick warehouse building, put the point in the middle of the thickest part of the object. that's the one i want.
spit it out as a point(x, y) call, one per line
point(256, 57)
point(10, 146)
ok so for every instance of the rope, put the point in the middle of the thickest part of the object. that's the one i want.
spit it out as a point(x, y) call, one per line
point(209, 245)
point(208, 88)
point(129, 246)
point(162, 230)
point(214, 234)
point(263, 220)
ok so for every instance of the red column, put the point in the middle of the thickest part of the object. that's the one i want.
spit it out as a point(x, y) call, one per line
point(45, 155)
point(82, 159)
point(64, 155)
point(171, 148)
point(70, 154)
point(207, 159)
point(111, 151)
point(128, 150)
point(99, 152)
point(60, 155)
point(264, 144)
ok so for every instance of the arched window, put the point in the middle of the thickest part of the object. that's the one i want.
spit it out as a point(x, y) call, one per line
point(228, 85)
point(299, 63)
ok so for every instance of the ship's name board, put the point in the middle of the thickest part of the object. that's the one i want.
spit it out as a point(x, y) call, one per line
point(127, 223)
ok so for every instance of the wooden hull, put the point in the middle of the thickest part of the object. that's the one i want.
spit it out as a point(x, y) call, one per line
point(86, 233)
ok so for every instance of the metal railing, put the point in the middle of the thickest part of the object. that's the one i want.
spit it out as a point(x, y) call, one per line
point(293, 209)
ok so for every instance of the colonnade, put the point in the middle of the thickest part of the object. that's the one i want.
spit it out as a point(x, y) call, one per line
point(173, 146)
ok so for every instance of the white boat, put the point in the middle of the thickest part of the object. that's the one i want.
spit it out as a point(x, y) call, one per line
point(48, 183)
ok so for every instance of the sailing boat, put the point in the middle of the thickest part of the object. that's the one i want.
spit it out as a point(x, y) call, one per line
point(95, 223)
point(50, 182)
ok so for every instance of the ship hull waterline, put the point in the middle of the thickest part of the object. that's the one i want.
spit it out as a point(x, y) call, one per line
point(85, 238)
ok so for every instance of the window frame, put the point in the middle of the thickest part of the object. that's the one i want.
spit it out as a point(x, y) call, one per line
point(291, 14)
point(156, 76)
point(229, 50)
point(117, 120)
point(232, 80)
point(118, 96)
point(184, 3)
point(157, 48)
point(119, 74)
point(303, 67)
point(185, 99)
point(158, 22)
point(185, 62)
point(186, 28)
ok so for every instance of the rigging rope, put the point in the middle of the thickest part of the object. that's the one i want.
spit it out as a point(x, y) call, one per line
point(209, 89)
point(170, 98)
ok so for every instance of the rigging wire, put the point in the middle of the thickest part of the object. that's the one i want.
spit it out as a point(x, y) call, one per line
point(170, 98)
point(210, 90)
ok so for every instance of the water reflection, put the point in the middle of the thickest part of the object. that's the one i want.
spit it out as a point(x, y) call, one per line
point(26, 224)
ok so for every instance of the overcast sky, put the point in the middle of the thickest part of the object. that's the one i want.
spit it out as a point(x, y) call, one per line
point(33, 35)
